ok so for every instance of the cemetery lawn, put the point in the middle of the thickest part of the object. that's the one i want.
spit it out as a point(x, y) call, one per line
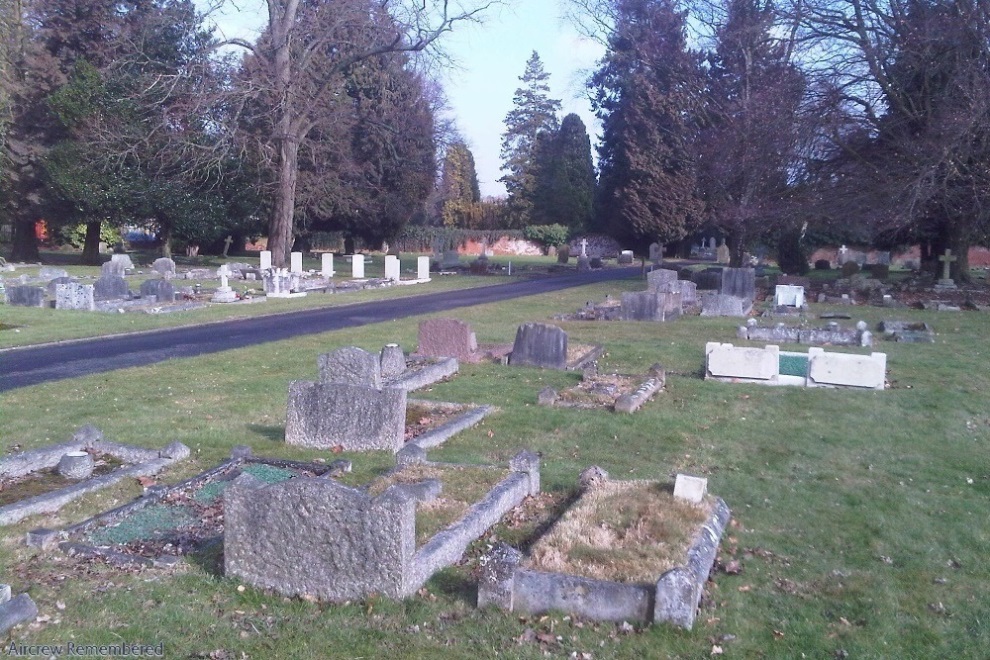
point(859, 518)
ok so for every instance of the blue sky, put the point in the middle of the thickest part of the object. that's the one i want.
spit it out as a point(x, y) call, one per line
point(490, 58)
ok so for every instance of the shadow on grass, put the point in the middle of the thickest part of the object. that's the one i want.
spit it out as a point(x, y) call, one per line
point(209, 558)
point(273, 433)
point(456, 585)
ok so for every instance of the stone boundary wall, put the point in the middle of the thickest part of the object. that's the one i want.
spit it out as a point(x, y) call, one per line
point(674, 598)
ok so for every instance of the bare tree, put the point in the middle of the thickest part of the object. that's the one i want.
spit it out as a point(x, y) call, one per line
point(301, 59)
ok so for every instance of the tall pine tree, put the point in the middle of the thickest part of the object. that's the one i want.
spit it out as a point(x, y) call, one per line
point(646, 92)
point(534, 112)
point(565, 177)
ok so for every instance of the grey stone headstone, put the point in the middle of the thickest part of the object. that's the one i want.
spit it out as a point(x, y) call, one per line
point(110, 287)
point(643, 306)
point(51, 287)
point(164, 267)
point(689, 293)
point(50, 273)
point(19, 609)
point(113, 268)
point(350, 365)
point(75, 296)
point(286, 537)
point(720, 305)
point(124, 260)
point(739, 282)
point(161, 289)
point(26, 296)
point(662, 279)
point(355, 417)
point(446, 338)
point(540, 345)
point(393, 361)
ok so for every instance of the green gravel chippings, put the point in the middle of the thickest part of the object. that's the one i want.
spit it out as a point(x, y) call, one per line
point(267, 473)
point(147, 523)
point(793, 365)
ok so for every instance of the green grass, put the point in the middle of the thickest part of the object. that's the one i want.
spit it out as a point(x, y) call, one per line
point(859, 517)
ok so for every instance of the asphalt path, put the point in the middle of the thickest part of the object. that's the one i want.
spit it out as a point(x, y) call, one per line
point(22, 367)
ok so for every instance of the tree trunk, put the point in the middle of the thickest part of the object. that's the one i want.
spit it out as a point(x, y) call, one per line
point(280, 222)
point(25, 242)
point(91, 246)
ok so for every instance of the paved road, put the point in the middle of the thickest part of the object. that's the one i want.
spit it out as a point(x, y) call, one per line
point(22, 367)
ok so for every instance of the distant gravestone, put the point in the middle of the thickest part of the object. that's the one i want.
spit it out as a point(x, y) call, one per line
point(721, 305)
point(722, 254)
point(739, 282)
point(643, 306)
point(265, 260)
point(656, 253)
point(450, 259)
point(423, 269)
point(52, 286)
point(296, 262)
point(73, 295)
point(539, 345)
point(625, 257)
point(112, 268)
point(353, 417)
point(161, 289)
point(794, 280)
point(164, 267)
point(110, 287)
point(124, 260)
point(392, 268)
point(327, 265)
point(446, 338)
point(50, 273)
point(662, 280)
point(788, 295)
point(350, 365)
point(392, 360)
point(26, 296)
point(689, 292)
point(357, 266)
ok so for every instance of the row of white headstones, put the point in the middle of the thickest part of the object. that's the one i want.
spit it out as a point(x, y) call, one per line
point(357, 265)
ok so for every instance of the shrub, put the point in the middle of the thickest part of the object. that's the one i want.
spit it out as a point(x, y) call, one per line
point(823, 264)
point(850, 268)
point(547, 235)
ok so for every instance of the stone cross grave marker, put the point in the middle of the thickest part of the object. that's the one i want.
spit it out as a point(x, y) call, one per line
point(584, 247)
point(843, 252)
point(226, 244)
point(947, 260)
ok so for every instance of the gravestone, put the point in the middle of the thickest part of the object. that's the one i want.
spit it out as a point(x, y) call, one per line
point(728, 361)
point(164, 267)
point(423, 269)
point(722, 254)
point(286, 537)
point(722, 305)
point(787, 295)
point(353, 417)
point(584, 247)
point(708, 279)
point(392, 360)
point(625, 257)
point(350, 365)
point(110, 287)
point(327, 265)
point(689, 292)
point(446, 338)
point(265, 260)
point(113, 268)
point(392, 268)
point(296, 263)
point(662, 280)
point(690, 488)
point(739, 282)
point(224, 293)
point(843, 255)
point(539, 345)
point(649, 306)
point(947, 282)
point(451, 259)
point(124, 260)
point(26, 296)
point(357, 267)
point(73, 295)
point(163, 290)
point(656, 253)
point(50, 273)
point(52, 286)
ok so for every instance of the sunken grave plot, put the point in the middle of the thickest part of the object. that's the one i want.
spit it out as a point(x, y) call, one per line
point(319, 538)
point(355, 407)
point(816, 368)
point(616, 392)
point(547, 347)
point(46, 479)
point(169, 522)
point(624, 551)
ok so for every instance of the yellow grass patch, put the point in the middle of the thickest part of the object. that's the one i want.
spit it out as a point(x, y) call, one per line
point(626, 531)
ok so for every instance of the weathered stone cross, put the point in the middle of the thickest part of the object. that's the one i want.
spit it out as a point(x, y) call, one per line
point(947, 260)
point(584, 247)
